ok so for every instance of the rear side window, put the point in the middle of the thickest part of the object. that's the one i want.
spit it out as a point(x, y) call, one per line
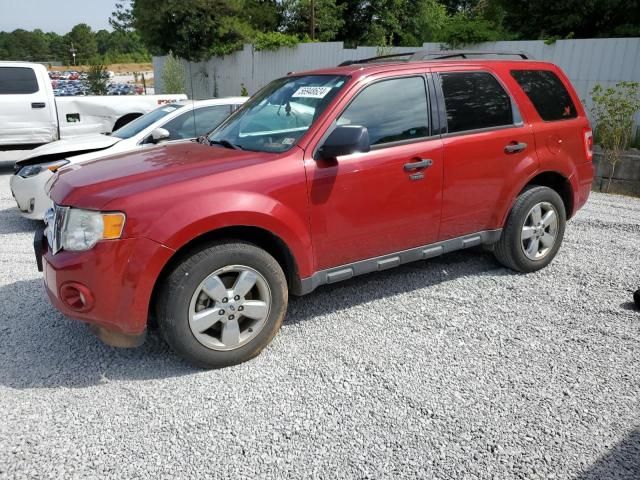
point(196, 123)
point(547, 93)
point(475, 100)
point(392, 110)
point(17, 80)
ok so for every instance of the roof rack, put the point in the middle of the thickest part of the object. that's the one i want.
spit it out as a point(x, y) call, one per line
point(378, 58)
point(463, 54)
point(424, 55)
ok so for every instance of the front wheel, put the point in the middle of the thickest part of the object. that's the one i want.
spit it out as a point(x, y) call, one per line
point(533, 232)
point(223, 305)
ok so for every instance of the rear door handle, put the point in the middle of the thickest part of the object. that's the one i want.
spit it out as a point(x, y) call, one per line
point(422, 163)
point(515, 147)
point(38, 105)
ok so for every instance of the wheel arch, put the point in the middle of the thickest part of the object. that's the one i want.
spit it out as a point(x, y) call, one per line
point(560, 184)
point(556, 181)
point(257, 236)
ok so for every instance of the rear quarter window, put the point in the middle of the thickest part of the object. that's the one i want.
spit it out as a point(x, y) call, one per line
point(17, 81)
point(547, 93)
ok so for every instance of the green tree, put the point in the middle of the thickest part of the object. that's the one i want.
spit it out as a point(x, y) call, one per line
point(193, 30)
point(121, 19)
point(613, 110)
point(173, 75)
point(295, 18)
point(573, 18)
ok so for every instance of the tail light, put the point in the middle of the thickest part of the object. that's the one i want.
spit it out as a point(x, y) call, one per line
point(588, 144)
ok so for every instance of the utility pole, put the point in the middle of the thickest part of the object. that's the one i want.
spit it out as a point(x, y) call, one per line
point(313, 20)
point(73, 53)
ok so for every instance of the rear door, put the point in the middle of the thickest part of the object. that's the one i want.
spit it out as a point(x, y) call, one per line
point(27, 115)
point(487, 149)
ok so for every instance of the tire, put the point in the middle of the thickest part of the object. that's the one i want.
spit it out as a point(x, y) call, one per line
point(516, 248)
point(636, 297)
point(184, 310)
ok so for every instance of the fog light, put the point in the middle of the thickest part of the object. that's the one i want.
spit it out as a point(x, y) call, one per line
point(32, 204)
point(76, 296)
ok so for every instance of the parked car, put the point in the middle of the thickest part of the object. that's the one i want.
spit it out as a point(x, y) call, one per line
point(175, 122)
point(320, 177)
point(31, 116)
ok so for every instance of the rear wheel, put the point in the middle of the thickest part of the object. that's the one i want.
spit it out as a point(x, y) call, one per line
point(223, 305)
point(533, 232)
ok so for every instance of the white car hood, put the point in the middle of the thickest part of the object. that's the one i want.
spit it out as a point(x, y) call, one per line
point(84, 143)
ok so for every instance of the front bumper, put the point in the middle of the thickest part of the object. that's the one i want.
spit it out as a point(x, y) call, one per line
point(29, 194)
point(116, 278)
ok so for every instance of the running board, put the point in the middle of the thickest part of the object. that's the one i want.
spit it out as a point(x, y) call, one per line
point(345, 272)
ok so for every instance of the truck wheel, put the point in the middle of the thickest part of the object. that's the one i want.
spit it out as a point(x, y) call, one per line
point(533, 232)
point(222, 305)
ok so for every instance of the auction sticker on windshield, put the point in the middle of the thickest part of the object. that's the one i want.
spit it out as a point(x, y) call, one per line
point(311, 92)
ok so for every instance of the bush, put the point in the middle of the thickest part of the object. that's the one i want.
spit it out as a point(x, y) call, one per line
point(97, 78)
point(613, 111)
point(173, 76)
point(274, 41)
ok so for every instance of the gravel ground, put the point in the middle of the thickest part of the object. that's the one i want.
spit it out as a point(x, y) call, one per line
point(451, 369)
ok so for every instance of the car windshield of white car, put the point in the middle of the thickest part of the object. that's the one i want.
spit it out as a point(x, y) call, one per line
point(275, 118)
point(139, 124)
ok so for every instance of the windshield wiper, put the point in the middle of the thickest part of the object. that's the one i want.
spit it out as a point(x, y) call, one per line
point(226, 144)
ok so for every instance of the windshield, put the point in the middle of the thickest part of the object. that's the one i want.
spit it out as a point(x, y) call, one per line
point(277, 116)
point(139, 124)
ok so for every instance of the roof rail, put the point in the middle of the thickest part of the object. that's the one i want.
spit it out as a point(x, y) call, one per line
point(444, 55)
point(424, 55)
point(375, 59)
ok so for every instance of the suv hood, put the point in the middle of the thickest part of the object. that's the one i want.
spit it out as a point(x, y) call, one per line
point(95, 183)
point(62, 148)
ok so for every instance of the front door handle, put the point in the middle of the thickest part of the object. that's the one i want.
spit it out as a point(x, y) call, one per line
point(515, 147)
point(38, 105)
point(422, 163)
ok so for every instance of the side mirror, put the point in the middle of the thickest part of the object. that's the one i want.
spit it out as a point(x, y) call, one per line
point(158, 135)
point(345, 140)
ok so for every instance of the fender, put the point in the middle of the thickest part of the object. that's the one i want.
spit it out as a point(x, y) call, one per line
point(196, 215)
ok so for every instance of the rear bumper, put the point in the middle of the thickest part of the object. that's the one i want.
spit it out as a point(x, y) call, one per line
point(117, 280)
point(581, 181)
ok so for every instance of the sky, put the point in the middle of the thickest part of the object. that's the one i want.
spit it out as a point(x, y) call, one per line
point(54, 15)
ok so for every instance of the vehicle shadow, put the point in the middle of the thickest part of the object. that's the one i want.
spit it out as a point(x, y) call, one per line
point(12, 222)
point(621, 463)
point(396, 281)
point(40, 348)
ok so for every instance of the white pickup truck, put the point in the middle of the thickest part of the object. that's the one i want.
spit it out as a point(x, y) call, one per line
point(30, 115)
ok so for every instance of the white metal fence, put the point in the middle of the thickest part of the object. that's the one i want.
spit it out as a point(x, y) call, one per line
point(586, 62)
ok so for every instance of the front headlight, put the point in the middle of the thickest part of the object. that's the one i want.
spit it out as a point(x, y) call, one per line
point(33, 170)
point(84, 228)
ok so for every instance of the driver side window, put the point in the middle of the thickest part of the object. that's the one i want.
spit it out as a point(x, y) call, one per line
point(392, 110)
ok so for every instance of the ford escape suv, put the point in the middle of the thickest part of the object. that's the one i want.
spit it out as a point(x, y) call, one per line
point(319, 177)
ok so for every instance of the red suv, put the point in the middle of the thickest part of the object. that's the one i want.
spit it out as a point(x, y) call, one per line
point(320, 177)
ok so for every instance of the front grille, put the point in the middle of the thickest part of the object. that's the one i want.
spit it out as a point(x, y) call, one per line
point(55, 219)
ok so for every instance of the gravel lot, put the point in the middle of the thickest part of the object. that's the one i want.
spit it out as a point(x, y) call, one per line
point(451, 369)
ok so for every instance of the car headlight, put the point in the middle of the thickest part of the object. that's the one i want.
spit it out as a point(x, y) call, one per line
point(33, 170)
point(84, 228)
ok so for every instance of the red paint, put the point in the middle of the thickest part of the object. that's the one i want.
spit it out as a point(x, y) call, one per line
point(326, 213)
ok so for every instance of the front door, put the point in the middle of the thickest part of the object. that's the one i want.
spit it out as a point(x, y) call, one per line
point(387, 200)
